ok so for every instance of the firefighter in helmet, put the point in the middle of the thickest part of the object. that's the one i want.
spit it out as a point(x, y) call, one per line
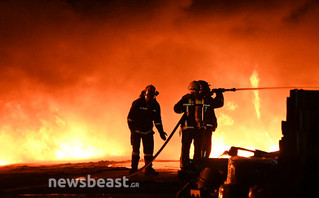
point(144, 111)
point(191, 104)
point(210, 120)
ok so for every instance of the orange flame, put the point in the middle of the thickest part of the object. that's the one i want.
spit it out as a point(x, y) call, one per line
point(234, 131)
point(57, 139)
point(3, 163)
point(254, 80)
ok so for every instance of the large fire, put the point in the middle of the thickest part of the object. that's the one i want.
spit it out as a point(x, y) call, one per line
point(71, 69)
point(58, 136)
point(55, 138)
point(219, 139)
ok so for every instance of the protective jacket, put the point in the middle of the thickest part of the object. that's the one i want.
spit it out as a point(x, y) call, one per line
point(199, 110)
point(141, 116)
point(210, 120)
point(188, 105)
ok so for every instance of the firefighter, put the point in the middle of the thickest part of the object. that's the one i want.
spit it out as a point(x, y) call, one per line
point(191, 104)
point(210, 120)
point(144, 111)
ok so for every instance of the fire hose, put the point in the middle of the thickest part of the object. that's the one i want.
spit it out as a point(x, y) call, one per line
point(258, 88)
point(161, 149)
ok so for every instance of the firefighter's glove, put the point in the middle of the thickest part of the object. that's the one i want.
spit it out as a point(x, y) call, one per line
point(163, 135)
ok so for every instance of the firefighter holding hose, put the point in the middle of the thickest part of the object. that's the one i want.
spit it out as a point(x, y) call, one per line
point(200, 120)
point(209, 119)
point(144, 111)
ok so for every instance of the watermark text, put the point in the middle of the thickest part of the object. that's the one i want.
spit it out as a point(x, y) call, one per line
point(90, 182)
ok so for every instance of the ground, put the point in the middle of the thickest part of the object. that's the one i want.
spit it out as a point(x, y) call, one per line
point(32, 180)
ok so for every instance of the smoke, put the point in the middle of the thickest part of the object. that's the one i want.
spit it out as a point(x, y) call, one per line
point(72, 68)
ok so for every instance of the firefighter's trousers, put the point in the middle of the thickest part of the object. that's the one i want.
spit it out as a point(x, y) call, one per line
point(188, 136)
point(206, 143)
point(148, 148)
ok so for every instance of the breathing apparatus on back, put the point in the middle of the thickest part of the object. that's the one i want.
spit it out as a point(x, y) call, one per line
point(198, 101)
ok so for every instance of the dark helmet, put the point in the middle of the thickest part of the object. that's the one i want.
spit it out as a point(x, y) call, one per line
point(149, 93)
point(194, 86)
point(151, 90)
point(204, 86)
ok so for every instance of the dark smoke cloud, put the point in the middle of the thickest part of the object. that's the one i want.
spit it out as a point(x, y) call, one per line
point(58, 43)
point(300, 13)
point(65, 57)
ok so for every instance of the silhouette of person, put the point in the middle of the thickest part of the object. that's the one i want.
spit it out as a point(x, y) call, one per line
point(144, 111)
point(191, 104)
point(210, 120)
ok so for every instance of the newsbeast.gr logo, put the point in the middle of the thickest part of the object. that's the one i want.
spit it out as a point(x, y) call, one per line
point(89, 182)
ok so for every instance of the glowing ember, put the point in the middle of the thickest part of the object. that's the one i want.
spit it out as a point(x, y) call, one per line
point(245, 153)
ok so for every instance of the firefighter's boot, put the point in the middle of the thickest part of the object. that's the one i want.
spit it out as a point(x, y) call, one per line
point(134, 163)
point(149, 170)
